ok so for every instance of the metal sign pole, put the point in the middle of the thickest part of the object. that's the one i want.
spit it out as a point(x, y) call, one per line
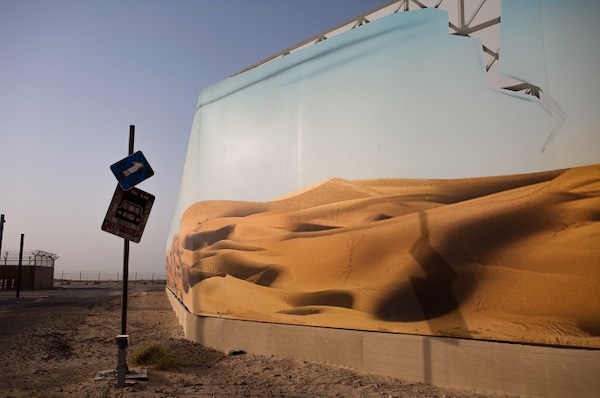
point(126, 217)
point(122, 339)
point(126, 254)
point(125, 288)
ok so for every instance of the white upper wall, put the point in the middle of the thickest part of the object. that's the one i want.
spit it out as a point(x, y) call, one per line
point(400, 98)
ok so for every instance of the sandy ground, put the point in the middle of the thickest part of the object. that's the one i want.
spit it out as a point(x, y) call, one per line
point(54, 342)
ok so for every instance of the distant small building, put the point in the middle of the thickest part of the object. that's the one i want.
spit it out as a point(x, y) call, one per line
point(37, 270)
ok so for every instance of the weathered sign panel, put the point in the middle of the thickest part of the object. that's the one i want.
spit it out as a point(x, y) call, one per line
point(128, 213)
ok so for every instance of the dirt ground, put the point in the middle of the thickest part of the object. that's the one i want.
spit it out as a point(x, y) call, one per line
point(54, 342)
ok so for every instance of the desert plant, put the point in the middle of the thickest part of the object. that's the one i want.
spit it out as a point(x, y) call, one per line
point(153, 353)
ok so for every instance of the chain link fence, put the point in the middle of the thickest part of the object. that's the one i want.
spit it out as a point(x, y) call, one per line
point(67, 277)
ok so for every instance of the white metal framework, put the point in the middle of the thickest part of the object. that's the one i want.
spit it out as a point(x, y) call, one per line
point(471, 19)
point(479, 19)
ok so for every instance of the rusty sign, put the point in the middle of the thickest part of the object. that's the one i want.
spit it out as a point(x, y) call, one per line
point(128, 213)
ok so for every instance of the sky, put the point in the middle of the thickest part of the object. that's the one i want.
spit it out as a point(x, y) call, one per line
point(74, 75)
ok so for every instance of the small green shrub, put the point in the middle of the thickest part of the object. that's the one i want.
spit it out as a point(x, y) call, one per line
point(153, 353)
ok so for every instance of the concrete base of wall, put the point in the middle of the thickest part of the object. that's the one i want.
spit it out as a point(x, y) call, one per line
point(492, 367)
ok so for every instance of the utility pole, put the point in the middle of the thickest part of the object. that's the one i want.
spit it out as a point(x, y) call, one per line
point(20, 265)
point(2, 282)
point(1, 231)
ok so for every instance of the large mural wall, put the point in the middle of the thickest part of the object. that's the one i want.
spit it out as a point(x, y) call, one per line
point(361, 183)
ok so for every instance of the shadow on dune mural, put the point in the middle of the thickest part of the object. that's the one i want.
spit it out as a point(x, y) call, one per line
point(509, 258)
point(514, 257)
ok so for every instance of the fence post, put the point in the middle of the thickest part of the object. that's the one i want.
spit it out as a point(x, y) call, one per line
point(20, 265)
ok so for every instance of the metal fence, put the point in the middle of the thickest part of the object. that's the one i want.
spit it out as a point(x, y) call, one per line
point(35, 269)
point(36, 258)
point(105, 276)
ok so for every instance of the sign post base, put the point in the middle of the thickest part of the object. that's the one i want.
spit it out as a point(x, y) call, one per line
point(122, 342)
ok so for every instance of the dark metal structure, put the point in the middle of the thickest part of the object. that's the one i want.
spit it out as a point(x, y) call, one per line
point(37, 270)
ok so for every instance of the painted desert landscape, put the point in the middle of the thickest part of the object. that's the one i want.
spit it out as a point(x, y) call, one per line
point(508, 258)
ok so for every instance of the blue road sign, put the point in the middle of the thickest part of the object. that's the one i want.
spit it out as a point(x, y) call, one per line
point(132, 170)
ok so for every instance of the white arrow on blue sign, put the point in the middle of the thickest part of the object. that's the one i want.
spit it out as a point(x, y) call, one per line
point(132, 170)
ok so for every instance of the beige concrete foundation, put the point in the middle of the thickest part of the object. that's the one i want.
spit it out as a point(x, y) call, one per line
point(501, 368)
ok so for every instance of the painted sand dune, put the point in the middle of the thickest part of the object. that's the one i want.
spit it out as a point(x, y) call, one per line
point(514, 258)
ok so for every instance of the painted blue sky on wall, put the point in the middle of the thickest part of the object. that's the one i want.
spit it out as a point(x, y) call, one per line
point(399, 97)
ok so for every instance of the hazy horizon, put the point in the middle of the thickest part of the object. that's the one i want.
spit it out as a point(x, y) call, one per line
point(74, 76)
